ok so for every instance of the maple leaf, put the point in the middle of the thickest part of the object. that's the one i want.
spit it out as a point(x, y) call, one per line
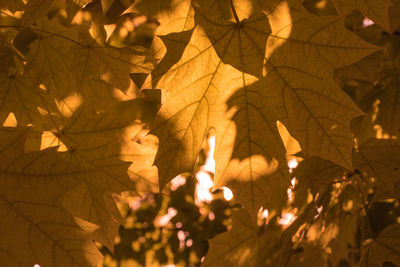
point(95, 146)
point(292, 83)
point(110, 63)
point(377, 11)
point(383, 248)
point(22, 96)
point(68, 60)
point(239, 247)
point(315, 175)
point(49, 56)
point(35, 229)
point(173, 15)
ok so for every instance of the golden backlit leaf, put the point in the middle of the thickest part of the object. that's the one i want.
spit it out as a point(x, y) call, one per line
point(49, 56)
point(70, 60)
point(93, 143)
point(102, 144)
point(35, 229)
point(242, 98)
point(112, 64)
point(173, 15)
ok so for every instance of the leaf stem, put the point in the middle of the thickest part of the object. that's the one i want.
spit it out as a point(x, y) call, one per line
point(234, 12)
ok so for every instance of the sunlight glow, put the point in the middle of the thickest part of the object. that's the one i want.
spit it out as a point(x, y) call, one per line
point(293, 163)
point(289, 191)
point(181, 235)
point(10, 121)
point(209, 165)
point(211, 216)
point(135, 204)
point(367, 22)
point(262, 216)
point(321, 4)
point(204, 178)
point(204, 181)
point(203, 187)
point(177, 182)
point(319, 209)
point(48, 139)
point(265, 214)
point(287, 218)
point(228, 195)
point(163, 220)
point(189, 243)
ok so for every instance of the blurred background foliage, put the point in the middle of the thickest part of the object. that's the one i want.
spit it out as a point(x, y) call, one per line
point(167, 229)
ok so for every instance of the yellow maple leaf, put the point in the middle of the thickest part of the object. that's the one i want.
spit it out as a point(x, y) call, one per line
point(215, 77)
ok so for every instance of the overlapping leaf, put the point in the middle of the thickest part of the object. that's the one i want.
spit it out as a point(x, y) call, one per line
point(247, 244)
point(384, 248)
point(380, 160)
point(94, 143)
point(292, 83)
point(70, 60)
point(315, 175)
point(21, 95)
point(242, 246)
point(173, 15)
point(35, 229)
point(49, 56)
